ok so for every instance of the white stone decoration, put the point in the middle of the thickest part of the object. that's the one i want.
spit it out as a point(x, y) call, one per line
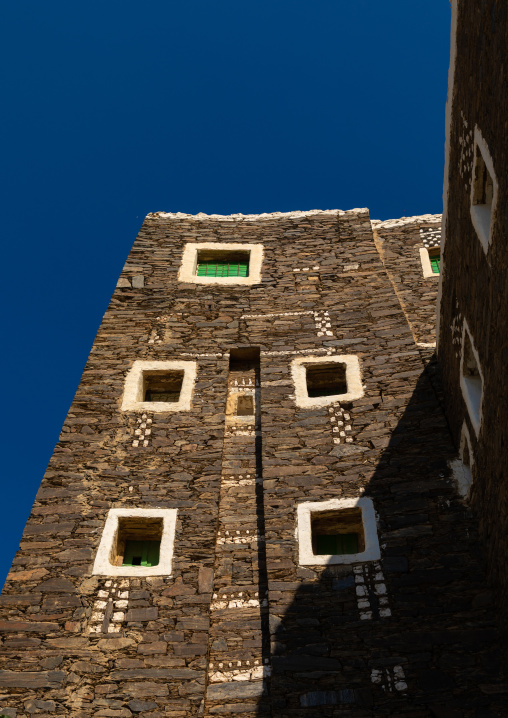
point(472, 388)
point(132, 399)
point(353, 380)
point(103, 566)
point(188, 267)
point(482, 215)
point(306, 556)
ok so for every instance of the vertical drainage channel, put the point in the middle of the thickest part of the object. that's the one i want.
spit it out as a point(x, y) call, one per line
point(239, 640)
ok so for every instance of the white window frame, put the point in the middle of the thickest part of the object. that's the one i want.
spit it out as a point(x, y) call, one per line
point(102, 565)
point(483, 218)
point(474, 407)
point(466, 479)
point(188, 267)
point(132, 399)
point(353, 380)
point(306, 556)
point(426, 265)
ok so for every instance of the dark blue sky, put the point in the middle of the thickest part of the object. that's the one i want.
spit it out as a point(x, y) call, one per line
point(116, 109)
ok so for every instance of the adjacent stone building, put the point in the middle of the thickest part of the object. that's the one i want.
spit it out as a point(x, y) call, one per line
point(473, 316)
point(251, 509)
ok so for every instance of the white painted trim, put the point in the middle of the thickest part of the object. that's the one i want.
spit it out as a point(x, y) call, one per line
point(473, 403)
point(481, 215)
point(133, 390)
point(188, 267)
point(353, 380)
point(102, 565)
point(463, 474)
point(426, 265)
point(446, 182)
point(306, 557)
point(465, 439)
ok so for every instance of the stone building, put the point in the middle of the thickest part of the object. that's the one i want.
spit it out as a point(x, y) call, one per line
point(264, 500)
point(253, 507)
point(473, 316)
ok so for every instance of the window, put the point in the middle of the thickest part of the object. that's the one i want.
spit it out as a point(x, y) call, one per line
point(221, 263)
point(245, 405)
point(431, 261)
point(159, 386)
point(337, 531)
point(483, 190)
point(471, 379)
point(435, 260)
point(141, 553)
point(162, 385)
point(136, 542)
point(324, 380)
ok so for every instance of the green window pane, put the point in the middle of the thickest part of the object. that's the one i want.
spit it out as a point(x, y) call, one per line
point(435, 263)
point(152, 553)
point(336, 545)
point(141, 553)
point(222, 269)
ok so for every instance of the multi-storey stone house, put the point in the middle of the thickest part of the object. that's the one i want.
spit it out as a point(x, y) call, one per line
point(257, 506)
point(251, 508)
point(473, 316)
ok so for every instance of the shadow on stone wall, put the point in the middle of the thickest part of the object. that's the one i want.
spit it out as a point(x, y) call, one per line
point(438, 653)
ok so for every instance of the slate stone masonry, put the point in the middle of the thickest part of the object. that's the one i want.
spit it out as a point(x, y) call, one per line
point(474, 287)
point(239, 627)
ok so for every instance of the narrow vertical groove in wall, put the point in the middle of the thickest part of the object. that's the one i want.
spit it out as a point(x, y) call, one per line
point(260, 511)
point(238, 650)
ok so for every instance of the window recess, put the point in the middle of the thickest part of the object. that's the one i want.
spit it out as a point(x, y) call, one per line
point(431, 261)
point(337, 531)
point(159, 386)
point(136, 542)
point(471, 379)
point(484, 190)
point(245, 405)
point(162, 386)
point(221, 263)
point(435, 260)
point(141, 553)
point(320, 381)
point(326, 379)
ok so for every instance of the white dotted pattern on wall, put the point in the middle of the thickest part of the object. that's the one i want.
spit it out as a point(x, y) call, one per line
point(143, 432)
point(371, 593)
point(389, 679)
point(341, 422)
point(323, 324)
point(456, 330)
point(466, 153)
point(250, 670)
point(109, 608)
point(431, 237)
point(240, 599)
point(240, 536)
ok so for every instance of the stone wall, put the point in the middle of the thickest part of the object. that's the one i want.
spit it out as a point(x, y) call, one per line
point(239, 627)
point(474, 288)
point(399, 242)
